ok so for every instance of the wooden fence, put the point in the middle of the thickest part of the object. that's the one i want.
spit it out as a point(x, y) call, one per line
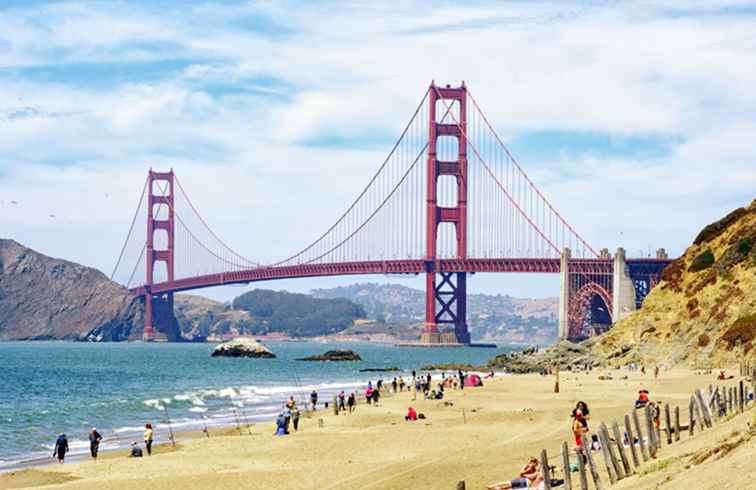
point(625, 450)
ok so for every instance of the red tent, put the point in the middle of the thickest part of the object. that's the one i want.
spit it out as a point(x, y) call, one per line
point(473, 380)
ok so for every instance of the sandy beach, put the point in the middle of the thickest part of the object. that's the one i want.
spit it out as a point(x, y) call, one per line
point(484, 437)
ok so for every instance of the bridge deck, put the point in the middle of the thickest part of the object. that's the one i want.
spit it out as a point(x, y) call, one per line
point(544, 265)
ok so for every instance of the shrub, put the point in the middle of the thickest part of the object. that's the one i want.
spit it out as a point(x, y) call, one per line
point(745, 245)
point(703, 261)
point(742, 331)
point(703, 340)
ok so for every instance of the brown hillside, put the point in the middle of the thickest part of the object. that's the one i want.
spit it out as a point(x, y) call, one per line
point(704, 310)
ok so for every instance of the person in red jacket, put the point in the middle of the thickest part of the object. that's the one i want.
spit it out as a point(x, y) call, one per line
point(411, 415)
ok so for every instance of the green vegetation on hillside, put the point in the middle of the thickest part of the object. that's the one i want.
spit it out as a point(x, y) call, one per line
point(298, 315)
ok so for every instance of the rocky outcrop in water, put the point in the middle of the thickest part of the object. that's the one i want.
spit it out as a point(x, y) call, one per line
point(242, 348)
point(334, 355)
point(43, 298)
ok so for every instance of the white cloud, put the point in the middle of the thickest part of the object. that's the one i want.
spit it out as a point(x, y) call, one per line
point(350, 71)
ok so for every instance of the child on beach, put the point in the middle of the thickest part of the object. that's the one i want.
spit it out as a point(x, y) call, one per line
point(61, 448)
point(148, 435)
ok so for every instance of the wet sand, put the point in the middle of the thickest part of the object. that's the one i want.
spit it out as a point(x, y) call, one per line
point(484, 437)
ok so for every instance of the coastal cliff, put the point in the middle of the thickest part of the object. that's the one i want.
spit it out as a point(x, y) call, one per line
point(704, 310)
point(46, 298)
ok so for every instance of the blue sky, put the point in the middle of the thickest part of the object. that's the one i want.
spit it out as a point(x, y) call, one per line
point(636, 118)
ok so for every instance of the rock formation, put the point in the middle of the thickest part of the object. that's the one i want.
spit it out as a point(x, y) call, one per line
point(46, 298)
point(334, 355)
point(242, 348)
point(704, 310)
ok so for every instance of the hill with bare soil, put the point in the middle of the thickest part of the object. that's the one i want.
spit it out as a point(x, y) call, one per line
point(704, 310)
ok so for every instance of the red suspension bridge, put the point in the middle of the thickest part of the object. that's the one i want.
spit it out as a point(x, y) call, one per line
point(449, 200)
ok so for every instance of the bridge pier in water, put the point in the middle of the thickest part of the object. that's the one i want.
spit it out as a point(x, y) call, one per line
point(158, 309)
point(446, 300)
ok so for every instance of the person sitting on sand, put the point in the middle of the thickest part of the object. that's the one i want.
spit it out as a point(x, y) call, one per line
point(411, 415)
point(61, 448)
point(136, 451)
point(642, 400)
point(281, 424)
point(529, 477)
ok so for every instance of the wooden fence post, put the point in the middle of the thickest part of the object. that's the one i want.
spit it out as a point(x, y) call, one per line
point(566, 465)
point(591, 464)
point(677, 422)
point(652, 446)
point(692, 416)
point(631, 437)
point(610, 464)
point(668, 423)
point(581, 468)
point(461, 485)
point(545, 471)
point(741, 397)
point(641, 441)
point(621, 448)
point(704, 409)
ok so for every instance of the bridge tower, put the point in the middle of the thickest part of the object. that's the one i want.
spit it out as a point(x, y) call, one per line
point(450, 293)
point(158, 309)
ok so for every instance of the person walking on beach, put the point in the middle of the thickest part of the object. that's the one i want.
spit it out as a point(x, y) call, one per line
point(394, 384)
point(148, 435)
point(94, 442)
point(295, 417)
point(351, 402)
point(401, 383)
point(369, 394)
point(342, 401)
point(61, 448)
point(314, 399)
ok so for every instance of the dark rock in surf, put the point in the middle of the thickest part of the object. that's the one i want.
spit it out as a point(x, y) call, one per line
point(334, 355)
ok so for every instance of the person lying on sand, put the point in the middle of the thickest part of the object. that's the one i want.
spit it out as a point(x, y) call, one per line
point(529, 477)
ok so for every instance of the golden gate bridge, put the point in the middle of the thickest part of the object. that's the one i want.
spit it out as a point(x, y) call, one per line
point(449, 200)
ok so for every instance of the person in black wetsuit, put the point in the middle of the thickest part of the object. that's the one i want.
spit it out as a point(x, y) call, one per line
point(94, 442)
point(61, 448)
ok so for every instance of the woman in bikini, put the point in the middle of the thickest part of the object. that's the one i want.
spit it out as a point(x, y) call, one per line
point(529, 477)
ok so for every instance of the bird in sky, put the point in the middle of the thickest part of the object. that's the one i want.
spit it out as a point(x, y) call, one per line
point(15, 203)
point(52, 215)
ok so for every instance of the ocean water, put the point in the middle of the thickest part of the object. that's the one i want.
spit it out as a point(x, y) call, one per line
point(51, 387)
